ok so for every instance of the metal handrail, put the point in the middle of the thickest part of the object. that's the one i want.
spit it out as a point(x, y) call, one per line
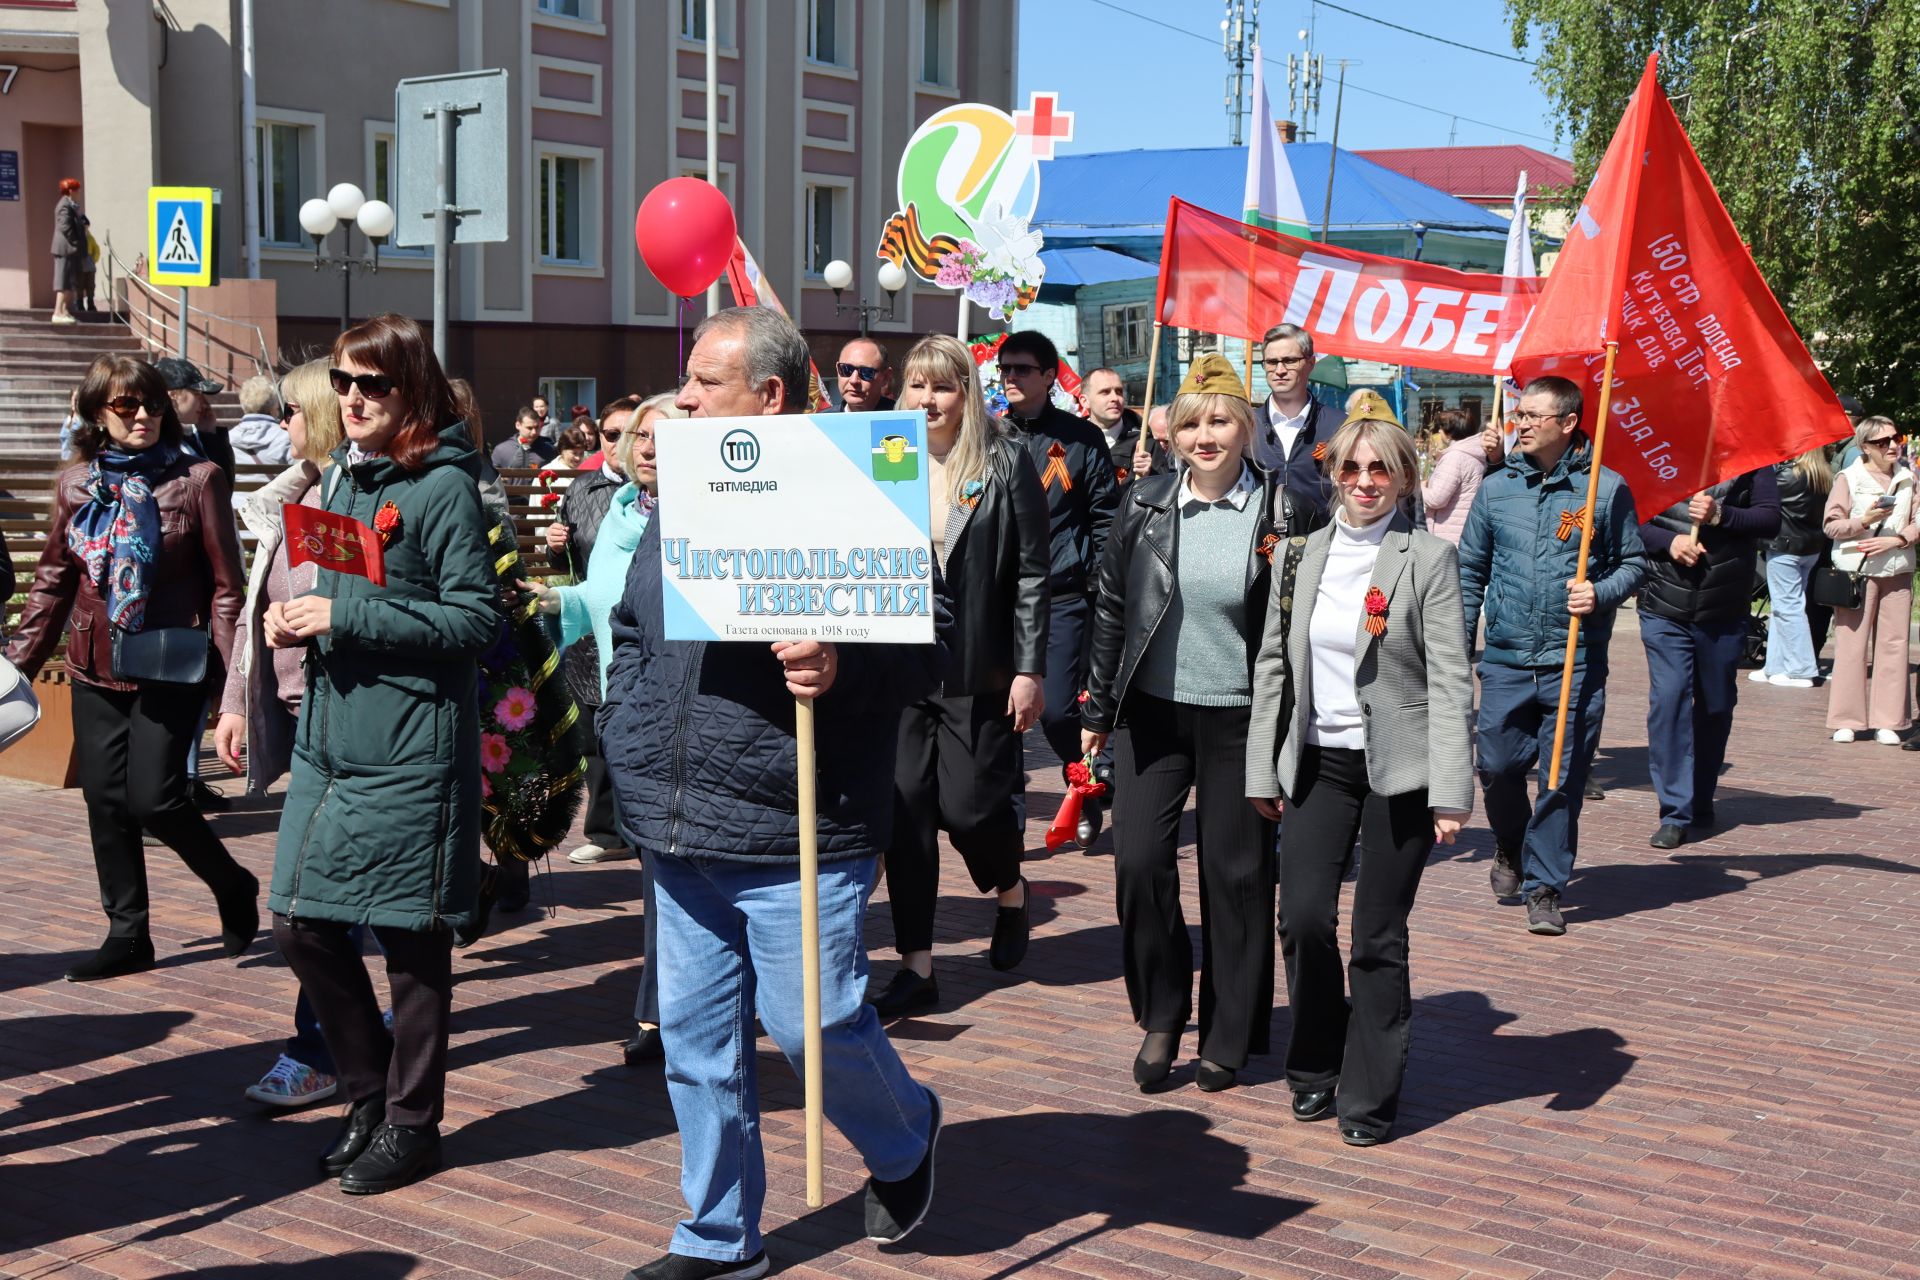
point(263, 363)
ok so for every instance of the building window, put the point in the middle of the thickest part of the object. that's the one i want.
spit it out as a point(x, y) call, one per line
point(566, 211)
point(383, 187)
point(938, 36)
point(578, 9)
point(562, 394)
point(828, 38)
point(826, 227)
point(1129, 329)
point(693, 21)
point(286, 165)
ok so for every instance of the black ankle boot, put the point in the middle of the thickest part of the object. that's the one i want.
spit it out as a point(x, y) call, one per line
point(363, 1117)
point(116, 958)
point(240, 915)
point(398, 1154)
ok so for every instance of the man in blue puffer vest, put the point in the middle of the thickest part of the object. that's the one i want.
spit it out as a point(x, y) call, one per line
point(1518, 557)
point(699, 743)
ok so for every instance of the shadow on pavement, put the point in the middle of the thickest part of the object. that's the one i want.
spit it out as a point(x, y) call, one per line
point(54, 1041)
point(1624, 889)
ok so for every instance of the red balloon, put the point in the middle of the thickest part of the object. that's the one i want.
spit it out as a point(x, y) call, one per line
point(685, 231)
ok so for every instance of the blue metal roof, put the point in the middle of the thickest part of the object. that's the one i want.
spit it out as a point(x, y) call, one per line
point(1077, 265)
point(1117, 194)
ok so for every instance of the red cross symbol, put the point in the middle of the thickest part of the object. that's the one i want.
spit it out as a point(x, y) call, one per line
point(1044, 124)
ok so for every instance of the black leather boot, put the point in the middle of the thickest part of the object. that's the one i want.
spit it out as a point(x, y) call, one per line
point(116, 958)
point(363, 1117)
point(399, 1154)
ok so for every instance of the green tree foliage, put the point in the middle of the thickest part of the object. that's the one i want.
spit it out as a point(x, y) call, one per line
point(1804, 113)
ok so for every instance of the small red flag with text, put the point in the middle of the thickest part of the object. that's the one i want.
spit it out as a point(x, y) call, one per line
point(335, 542)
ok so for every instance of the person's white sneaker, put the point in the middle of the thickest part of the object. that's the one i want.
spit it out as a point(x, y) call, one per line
point(591, 853)
point(1843, 735)
point(293, 1084)
point(1886, 737)
point(1758, 677)
point(1790, 682)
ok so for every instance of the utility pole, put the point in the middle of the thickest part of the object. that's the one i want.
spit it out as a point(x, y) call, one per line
point(1239, 34)
point(1333, 152)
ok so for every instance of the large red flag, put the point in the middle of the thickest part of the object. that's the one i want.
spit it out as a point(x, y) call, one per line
point(1711, 379)
point(335, 542)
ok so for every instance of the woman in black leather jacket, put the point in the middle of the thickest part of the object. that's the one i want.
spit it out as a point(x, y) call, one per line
point(1176, 625)
point(959, 758)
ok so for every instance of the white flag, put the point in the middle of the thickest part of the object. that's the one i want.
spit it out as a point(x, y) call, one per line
point(1272, 200)
point(1519, 243)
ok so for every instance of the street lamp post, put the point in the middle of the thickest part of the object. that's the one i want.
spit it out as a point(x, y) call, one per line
point(893, 278)
point(346, 207)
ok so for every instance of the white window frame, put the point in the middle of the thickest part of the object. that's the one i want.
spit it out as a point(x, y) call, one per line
point(727, 183)
point(949, 43)
point(373, 132)
point(313, 149)
point(726, 19)
point(588, 23)
point(592, 220)
point(561, 409)
point(842, 230)
point(843, 35)
point(1138, 317)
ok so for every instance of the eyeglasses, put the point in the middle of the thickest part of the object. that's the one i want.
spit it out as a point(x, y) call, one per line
point(611, 437)
point(287, 409)
point(1888, 442)
point(1284, 362)
point(1019, 370)
point(374, 386)
point(1377, 471)
point(127, 406)
point(866, 372)
point(1535, 419)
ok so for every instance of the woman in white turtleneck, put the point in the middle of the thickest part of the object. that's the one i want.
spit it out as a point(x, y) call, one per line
point(1362, 699)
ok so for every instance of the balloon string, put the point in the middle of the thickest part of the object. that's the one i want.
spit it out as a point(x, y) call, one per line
point(680, 327)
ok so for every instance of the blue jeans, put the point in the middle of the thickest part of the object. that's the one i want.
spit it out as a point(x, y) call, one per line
point(730, 942)
point(1789, 639)
point(1517, 710)
point(1693, 681)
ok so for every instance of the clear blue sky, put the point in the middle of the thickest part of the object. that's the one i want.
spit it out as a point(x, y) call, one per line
point(1135, 83)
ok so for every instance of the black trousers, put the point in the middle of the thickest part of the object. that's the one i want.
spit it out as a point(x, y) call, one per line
point(1162, 751)
point(600, 826)
point(1066, 673)
point(409, 1066)
point(646, 1004)
point(958, 764)
point(133, 773)
point(1360, 1048)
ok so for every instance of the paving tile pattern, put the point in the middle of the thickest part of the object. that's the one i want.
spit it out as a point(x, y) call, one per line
point(1714, 1074)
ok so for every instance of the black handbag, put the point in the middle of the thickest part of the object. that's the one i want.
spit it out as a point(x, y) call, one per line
point(1837, 588)
point(164, 655)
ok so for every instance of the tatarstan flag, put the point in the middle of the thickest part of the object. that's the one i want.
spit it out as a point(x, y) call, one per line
point(1711, 379)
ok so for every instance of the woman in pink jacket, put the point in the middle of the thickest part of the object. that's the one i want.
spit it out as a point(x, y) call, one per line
point(1448, 492)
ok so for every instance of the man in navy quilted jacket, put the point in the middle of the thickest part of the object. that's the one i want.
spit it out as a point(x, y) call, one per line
point(699, 744)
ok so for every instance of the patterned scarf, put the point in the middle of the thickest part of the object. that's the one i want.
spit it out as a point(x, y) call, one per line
point(117, 535)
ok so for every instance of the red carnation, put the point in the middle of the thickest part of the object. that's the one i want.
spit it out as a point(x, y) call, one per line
point(1078, 774)
point(386, 522)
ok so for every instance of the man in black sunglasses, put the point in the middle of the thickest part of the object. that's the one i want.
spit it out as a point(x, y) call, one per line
point(866, 376)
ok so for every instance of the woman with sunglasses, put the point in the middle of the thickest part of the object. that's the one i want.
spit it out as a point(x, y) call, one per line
point(382, 819)
point(1871, 518)
point(1361, 705)
point(145, 562)
point(1183, 593)
point(585, 612)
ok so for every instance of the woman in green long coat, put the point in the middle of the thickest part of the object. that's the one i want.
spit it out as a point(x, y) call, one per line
point(382, 820)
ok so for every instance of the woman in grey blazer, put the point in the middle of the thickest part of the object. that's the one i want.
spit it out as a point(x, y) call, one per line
point(1361, 707)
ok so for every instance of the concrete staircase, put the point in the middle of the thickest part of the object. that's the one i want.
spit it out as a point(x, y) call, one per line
point(41, 365)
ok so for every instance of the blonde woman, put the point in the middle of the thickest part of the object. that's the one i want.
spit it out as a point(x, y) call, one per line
point(1871, 518)
point(1804, 484)
point(1361, 705)
point(1183, 594)
point(959, 758)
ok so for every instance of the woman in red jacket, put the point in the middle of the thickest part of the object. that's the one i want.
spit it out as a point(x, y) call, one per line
point(144, 559)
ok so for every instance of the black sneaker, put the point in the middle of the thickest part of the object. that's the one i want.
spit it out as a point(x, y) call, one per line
point(1594, 791)
point(908, 991)
point(1010, 929)
point(1669, 836)
point(240, 915)
point(209, 799)
point(399, 1154)
point(116, 958)
point(1543, 913)
point(678, 1266)
point(894, 1209)
point(1504, 876)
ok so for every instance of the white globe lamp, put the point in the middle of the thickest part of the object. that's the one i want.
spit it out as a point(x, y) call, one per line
point(376, 219)
point(317, 218)
point(838, 275)
point(345, 200)
point(893, 277)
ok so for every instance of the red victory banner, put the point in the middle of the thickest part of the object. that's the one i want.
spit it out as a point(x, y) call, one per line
point(1710, 380)
point(1656, 303)
point(335, 542)
point(1222, 276)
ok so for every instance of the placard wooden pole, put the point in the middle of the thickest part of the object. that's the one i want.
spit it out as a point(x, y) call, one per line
point(814, 1080)
point(1580, 570)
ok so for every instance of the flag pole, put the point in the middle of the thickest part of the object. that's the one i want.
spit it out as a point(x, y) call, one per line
point(814, 1078)
point(1580, 570)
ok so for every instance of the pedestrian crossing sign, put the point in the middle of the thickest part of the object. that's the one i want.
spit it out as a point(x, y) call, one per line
point(180, 248)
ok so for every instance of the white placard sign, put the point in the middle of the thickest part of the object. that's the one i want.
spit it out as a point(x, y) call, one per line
point(803, 526)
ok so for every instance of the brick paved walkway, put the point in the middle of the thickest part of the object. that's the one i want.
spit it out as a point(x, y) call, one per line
point(1713, 1073)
